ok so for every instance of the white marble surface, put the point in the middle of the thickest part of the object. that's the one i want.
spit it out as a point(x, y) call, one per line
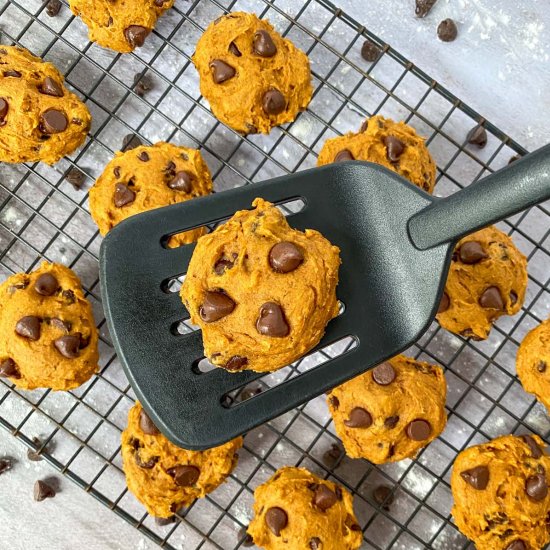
point(499, 64)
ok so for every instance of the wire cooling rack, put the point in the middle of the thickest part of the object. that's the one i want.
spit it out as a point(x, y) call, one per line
point(43, 217)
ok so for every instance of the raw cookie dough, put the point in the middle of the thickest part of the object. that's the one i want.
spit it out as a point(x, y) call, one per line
point(253, 78)
point(487, 279)
point(391, 412)
point(149, 177)
point(394, 145)
point(295, 509)
point(500, 492)
point(261, 292)
point(533, 362)
point(48, 337)
point(39, 118)
point(165, 478)
point(120, 25)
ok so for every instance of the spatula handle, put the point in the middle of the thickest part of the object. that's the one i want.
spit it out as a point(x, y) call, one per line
point(522, 184)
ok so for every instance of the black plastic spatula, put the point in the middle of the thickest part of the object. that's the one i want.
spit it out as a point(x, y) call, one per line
point(395, 241)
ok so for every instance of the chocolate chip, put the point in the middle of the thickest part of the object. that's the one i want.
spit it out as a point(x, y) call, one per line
point(143, 156)
point(116, 171)
point(536, 487)
point(444, 304)
point(28, 327)
point(12, 74)
point(184, 476)
point(250, 391)
point(53, 7)
point(221, 71)
point(163, 522)
point(447, 30)
point(383, 374)
point(391, 422)
point(491, 298)
point(370, 51)
point(142, 84)
point(130, 141)
point(516, 545)
point(273, 102)
point(5, 465)
point(343, 156)
point(181, 181)
point(136, 35)
point(8, 369)
point(146, 424)
point(285, 257)
point(324, 498)
point(64, 326)
point(477, 477)
point(69, 296)
point(236, 363)
point(68, 346)
point(51, 87)
point(477, 136)
point(42, 491)
point(513, 159)
point(32, 455)
point(423, 7)
point(472, 252)
point(75, 177)
point(4, 108)
point(46, 284)
point(394, 146)
point(53, 121)
point(383, 496)
point(215, 306)
point(419, 430)
point(246, 539)
point(315, 543)
point(334, 401)
point(234, 50)
point(358, 418)
point(18, 286)
point(513, 297)
point(541, 366)
point(276, 520)
point(271, 321)
point(223, 264)
point(332, 455)
point(263, 44)
point(123, 195)
point(149, 465)
point(536, 451)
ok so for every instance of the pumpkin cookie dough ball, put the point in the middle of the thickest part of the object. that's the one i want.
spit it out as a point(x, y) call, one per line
point(295, 509)
point(533, 363)
point(487, 279)
point(39, 118)
point(165, 478)
point(120, 25)
point(390, 412)
point(253, 78)
point(149, 177)
point(48, 337)
point(261, 292)
point(394, 145)
point(500, 491)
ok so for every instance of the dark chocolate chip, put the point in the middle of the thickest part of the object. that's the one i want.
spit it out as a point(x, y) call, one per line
point(221, 71)
point(276, 520)
point(419, 430)
point(536, 451)
point(12, 74)
point(513, 159)
point(42, 491)
point(46, 284)
point(163, 522)
point(250, 391)
point(263, 44)
point(358, 418)
point(215, 306)
point(185, 475)
point(273, 102)
point(149, 465)
point(4, 108)
point(146, 424)
point(447, 31)
point(224, 263)
point(136, 35)
point(343, 156)
point(513, 297)
point(234, 50)
point(536, 487)
point(75, 177)
point(383, 496)
point(444, 304)
point(477, 136)
point(516, 545)
point(251, 129)
point(477, 477)
point(53, 7)
point(324, 498)
point(394, 146)
point(423, 7)
point(334, 401)
point(285, 257)
point(472, 252)
point(541, 366)
point(271, 321)
point(69, 296)
point(370, 51)
point(51, 87)
point(492, 299)
point(8, 369)
point(142, 84)
point(235, 363)
point(123, 195)
point(143, 156)
point(246, 539)
point(391, 422)
point(28, 327)
point(332, 455)
point(5, 465)
point(181, 181)
point(315, 543)
point(32, 455)
point(53, 121)
point(130, 141)
point(64, 326)
point(383, 374)
point(68, 346)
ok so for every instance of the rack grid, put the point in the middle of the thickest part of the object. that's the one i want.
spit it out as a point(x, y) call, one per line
point(43, 217)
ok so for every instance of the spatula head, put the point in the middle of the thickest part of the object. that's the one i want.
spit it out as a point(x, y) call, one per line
point(389, 288)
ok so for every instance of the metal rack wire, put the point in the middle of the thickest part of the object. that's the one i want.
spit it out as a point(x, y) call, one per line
point(43, 217)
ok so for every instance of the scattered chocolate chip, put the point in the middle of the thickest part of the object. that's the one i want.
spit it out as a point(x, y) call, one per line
point(477, 477)
point(394, 146)
point(143, 156)
point(123, 195)
point(423, 7)
point(271, 321)
point(51, 87)
point(46, 284)
point(224, 263)
point(184, 476)
point(315, 543)
point(234, 50)
point(18, 286)
point(136, 35)
point(68, 346)
point(444, 304)
point(142, 84)
point(370, 51)
point(276, 520)
point(53, 7)
point(263, 44)
point(236, 363)
point(334, 401)
point(130, 141)
point(146, 424)
point(12, 74)
point(181, 181)
point(5, 465)
point(250, 391)
point(28, 327)
point(391, 422)
point(471, 252)
point(516, 545)
point(4, 108)
point(53, 121)
point(245, 538)
point(536, 487)
point(541, 366)
point(163, 522)
point(8, 369)
point(251, 129)
point(324, 498)
point(273, 102)
point(32, 455)
point(419, 430)
point(64, 326)
point(221, 71)
point(358, 418)
point(383, 374)
point(285, 257)
point(215, 306)
point(332, 455)
point(513, 159)
point(343, 156)
point(42, 491)
point(447, 31)
point(116, 171)
point(75, 177)
point(149, 465)
point(69, 296)
point(477, 136)
point(536, 451)
point(491, 298)
point(513, 297)
point(383, 496)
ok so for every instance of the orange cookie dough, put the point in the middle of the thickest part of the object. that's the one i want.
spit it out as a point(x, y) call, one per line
point(394, 145)
point(48, 337)
point(39, 118)
point(533, 362)
point(253, 78)
point(149, 177)
point(487, 279)
point(120, 25)
point(500, 492)
point(391, 412)
point(295, 509)
point(261, 292)
point(165, 478)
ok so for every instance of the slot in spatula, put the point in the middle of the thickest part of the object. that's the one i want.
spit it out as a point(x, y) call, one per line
point(395, 241)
